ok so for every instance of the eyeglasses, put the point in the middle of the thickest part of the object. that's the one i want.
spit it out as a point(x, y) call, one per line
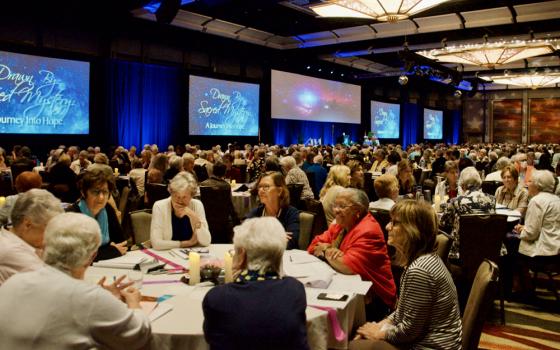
point(97, 192)
point(341, 206)
point(266, 188)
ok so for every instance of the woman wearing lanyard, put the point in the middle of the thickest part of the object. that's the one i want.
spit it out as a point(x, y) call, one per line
point(275, 201)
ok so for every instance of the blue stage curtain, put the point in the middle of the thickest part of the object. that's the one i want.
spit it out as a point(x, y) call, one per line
point(144, 102)
point(452, 126)
point(287, 132)
point(411, 125)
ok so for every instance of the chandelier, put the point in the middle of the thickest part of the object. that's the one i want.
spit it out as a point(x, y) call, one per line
point(492, 54)
point(381, 10)
point(527, 80)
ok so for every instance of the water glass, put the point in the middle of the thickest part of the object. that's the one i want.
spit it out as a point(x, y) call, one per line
point(137, 277)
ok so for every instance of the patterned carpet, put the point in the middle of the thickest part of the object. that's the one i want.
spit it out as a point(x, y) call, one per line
point(527, 327)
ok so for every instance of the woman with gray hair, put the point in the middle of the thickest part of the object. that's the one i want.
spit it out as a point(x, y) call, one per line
point(540, 236)
point(472, 201)
point(62, 310)
point(355, 245)
point(294, 175)
point(20, 245)
point(179, 221)
point(259, 246)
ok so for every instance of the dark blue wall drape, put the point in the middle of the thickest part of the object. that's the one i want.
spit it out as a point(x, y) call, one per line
point(144, 103)
point(452, 126)
point(287, 132)
point(411, 124)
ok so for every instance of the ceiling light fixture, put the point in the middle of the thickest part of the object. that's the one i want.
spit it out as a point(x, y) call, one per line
point(528, 80)
point(381, 10)
point(492, 54)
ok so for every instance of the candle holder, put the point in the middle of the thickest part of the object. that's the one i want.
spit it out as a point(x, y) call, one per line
point(210, 273)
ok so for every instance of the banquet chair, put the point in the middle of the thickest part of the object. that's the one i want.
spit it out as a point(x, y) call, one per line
point(295, 195)
point(368, 187)
point(320, 223)
point(382, 217)
point(220, 215)
point(311, 179)
point(550, 266)
point(243, 173)
point(490, 187)
point(141, 222)
point(305, 227)
point(480, 301)
point(201, 173)
point(480, 237)
point(123, 200)
point(155, 192)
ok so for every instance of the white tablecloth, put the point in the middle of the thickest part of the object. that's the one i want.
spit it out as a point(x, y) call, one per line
point(181, 328)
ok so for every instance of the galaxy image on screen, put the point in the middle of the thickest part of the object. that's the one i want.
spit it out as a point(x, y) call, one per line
point(385, 119)
point(222, 107)
point(300, 97)
point(41, 95)
point(433, 124)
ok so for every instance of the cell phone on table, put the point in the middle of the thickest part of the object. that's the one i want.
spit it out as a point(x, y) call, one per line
point(332, 296)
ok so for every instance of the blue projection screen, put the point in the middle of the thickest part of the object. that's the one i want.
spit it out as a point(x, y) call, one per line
point(40, 95)
point(433, 124)
point(224, 108)
point(385, 119)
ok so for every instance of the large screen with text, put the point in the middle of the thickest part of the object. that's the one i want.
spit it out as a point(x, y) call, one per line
point(300, 97)
point(40, 95)
point(222, 107)
point(433, 124)
point(385, 119)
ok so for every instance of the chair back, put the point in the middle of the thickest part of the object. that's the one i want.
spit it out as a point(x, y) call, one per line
point(218, 206)
point(295, 194)
point(311, 179)
point(305, 227)
point(125, 192)
point(155, 192)
point(368, 187)
point(490, 187)
point(480, 300)
point(383, 217)
point(320, 223)
point(6, 184)
point(444, 242)
point(201, 173)
point(141, 223)
point(243, 172)
point(480, 238)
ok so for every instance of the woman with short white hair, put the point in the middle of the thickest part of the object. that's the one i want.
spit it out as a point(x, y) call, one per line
point(60, 309)
point(259, 246)
point(472, 201)
point(179, 221)
point(20, 245)
point(294, 175)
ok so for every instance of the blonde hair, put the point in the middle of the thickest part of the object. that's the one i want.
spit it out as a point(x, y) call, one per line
point(419, 225)
point(338, 175)
point(385, 184)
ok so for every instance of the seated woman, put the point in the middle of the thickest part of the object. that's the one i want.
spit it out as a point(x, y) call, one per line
point(427, 315)
point(179, 221)
point(387, 189)
point(540, 236)
point(356, 174)
point(449, 187)
point(275, 201)
point(259, 245)
point(61, 311)
point(393, 158)
point(472, 201)
point(511, 194)
point(380, 164)
point(337, 179)
point(294, 175)
point(406, 180)
point(96, 186)
point(355, 245)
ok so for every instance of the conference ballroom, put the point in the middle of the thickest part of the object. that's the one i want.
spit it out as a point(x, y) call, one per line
point(280, 174)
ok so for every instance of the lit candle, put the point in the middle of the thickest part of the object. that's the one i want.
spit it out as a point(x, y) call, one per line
point(116, 171)
point(194, 268)
point(2, 201)
point(437, 202)
point(233, 183)
point(228, 265)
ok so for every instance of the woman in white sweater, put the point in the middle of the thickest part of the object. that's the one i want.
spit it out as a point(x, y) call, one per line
point(179, 221)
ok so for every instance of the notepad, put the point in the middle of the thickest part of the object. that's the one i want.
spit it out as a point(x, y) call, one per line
point(155, 310)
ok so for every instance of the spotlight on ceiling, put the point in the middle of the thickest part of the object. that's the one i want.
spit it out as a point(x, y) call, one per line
point(403, 80)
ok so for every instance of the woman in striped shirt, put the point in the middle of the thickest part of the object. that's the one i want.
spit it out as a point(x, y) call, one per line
point(427, 314)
